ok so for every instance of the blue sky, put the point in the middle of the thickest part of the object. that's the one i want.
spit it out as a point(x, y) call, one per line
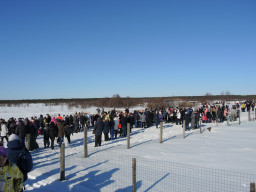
point(136, 48)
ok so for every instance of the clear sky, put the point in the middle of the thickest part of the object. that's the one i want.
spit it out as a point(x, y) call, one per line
point(136, 48)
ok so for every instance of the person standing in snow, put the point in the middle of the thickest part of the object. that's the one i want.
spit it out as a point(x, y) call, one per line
point(61, 131)
point(123, 122)
point(53, 132)
point(15, 147)
point(116, 122)
point(98, 129)
point(67, 129)
point(156, 119)
point(186, 118)
point(21, 131)
point(143, 120)
point(106, 129)
point(4, 131)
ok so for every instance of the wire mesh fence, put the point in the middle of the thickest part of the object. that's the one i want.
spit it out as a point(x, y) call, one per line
point(114, 172)
point(109, 169)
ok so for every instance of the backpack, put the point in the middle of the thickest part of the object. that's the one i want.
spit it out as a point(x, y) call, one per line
point(25, 161)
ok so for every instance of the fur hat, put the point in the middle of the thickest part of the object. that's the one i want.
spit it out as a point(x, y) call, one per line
point(13, 137)
point(3, 151)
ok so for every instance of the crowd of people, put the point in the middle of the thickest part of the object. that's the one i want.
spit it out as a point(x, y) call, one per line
point(110, 124)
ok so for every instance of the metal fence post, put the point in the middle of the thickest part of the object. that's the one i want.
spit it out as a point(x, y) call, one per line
point(161, 132)
point(128, 135)
point(249, 116)
point(62, 162)
point(184, 123)
point(252, 187)
point(133, 174)
point(85, 142)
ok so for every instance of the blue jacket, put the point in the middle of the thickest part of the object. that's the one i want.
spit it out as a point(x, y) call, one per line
point(15, 147)
point(106, 127)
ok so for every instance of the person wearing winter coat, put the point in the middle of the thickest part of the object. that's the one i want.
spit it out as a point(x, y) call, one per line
point(61, 131)
point(98, 129)
point(53, 132)
point(21, 131)
point(243, 106)
point(67, 129)
point(143, 120)
point(11, 126)
point(10, 174)
point(111, 127)
point(186, 118)
point(193, 120)
point(46, 135)
point(15, 147)
point(178, 119)
point(106, 129)
point(31, 130)
point(116, 122)
point(209, 116)
point(4, 131)
point(48, 118)
point(123, 122)
point(156, 119)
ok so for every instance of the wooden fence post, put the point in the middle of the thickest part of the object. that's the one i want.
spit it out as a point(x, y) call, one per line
point(249, 115)
point(133, 174)
point(62, 162)
point(184, 123)
point(161, 132)
point(28, 141)
point(85, 143)
point(252, 187)
point(128, 135)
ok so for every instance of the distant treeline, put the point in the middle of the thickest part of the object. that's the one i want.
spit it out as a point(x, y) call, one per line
point(118, 102)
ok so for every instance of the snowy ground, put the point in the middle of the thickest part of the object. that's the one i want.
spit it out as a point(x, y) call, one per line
point(221, 160)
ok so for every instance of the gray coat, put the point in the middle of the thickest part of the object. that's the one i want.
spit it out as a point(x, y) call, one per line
point(143, 118)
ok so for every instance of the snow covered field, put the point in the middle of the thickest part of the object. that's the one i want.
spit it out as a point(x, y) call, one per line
point(221, 160)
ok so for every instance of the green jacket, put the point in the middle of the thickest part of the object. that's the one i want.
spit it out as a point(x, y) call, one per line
point(13, 177)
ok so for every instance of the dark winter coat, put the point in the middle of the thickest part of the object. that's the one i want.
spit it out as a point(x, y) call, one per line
point(208, 115)
point(98, 127)
point(186, 118)
point(48, 119)
point(11, 126)
point(53, 131)
point(67, 130)
point(156, 118)
point(15, 147)
point(21, 130)
point(106, 127)
point(124, 121)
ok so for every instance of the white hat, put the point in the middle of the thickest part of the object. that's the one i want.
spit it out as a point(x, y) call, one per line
point(13, 137)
